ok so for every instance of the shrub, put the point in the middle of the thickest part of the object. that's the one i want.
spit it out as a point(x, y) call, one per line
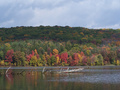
point(92, 60)
point(19, 58)
point(64, 57)
point(33, 61)
point(84, 60)
point(99, 59)
point(55, 51)
point(9, 55)
point(51, 61)
point(2, 62)
point(112, 56)
point(1, 55)
point(117, 62)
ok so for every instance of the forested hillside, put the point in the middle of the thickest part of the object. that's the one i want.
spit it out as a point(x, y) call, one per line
point(56, 46)
point(58, 33)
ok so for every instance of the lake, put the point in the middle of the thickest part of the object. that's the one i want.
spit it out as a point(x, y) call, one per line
point(31, 78)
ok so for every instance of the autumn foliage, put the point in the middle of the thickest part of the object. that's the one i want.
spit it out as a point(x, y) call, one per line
point(64, 57)
point(30, 56)
point(48, 53)
point(9, 55)
point(55, 51)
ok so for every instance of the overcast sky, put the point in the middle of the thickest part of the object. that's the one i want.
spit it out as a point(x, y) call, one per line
point(80, 13)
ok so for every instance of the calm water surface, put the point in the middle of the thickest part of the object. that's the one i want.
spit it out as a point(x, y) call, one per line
point(91, 78)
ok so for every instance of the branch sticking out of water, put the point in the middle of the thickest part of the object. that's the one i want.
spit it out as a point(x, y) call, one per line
point(22, 71)
point(43, 70)
point(7, 70)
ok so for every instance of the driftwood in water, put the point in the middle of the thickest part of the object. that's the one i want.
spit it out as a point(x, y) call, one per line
point(13, 73)
point(44, 70)
point(7, 70)
point(70, 70)
point(62, 70)
point(73, 70)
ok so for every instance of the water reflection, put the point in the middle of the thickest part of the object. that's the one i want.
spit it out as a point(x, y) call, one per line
point(88, 79)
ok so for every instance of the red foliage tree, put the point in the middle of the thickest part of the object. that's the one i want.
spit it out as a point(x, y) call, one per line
point(35, 53)
point(84, 60)
point(92, 58)
point(106, 60)
point(82, 53)
point(50, 54)
point(30, 55)
point(70, 61)
point(75, 58)
point(9, 55)
point(73, 63)
point(64, 57)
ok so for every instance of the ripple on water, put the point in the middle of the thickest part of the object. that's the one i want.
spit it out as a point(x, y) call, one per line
point(108, 78)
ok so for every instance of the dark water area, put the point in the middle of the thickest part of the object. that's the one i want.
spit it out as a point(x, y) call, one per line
point(91, 78)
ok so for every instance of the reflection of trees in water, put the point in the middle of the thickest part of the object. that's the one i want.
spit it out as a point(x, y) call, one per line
point(32, 80)
point(32, 77)
point(9, 80)
point(17, 80)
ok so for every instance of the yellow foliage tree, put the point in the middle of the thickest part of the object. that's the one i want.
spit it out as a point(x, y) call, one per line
point(36, 52)
point(33, 61)
point(80, 57)
point(81, 33)
point(46, 57)
point(88, 52)
point(55, 52)
point(118, 62)
point(57, 59)
point(84, 47)
point(7, 44)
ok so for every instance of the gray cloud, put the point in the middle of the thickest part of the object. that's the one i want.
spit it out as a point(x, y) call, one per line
point(84, 13)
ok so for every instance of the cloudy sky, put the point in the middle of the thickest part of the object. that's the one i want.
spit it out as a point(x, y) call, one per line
point(80, 13)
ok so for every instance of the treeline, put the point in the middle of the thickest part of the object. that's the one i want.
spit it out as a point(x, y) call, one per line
point(58, 33)
point(50, 53)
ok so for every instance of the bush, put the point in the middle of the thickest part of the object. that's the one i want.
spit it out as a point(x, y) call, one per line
point(51, 61)
point(1, 55)
point(99, 59)
point(33, 61)
point(19, 58)
point(2, 62)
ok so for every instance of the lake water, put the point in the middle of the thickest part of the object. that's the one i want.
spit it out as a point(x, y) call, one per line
point(91, 78)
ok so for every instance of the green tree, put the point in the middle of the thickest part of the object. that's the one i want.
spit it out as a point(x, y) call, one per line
point(1, 55)
point(99, 59)
point(51, 61)
point(19, 58)
point(33, 61)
